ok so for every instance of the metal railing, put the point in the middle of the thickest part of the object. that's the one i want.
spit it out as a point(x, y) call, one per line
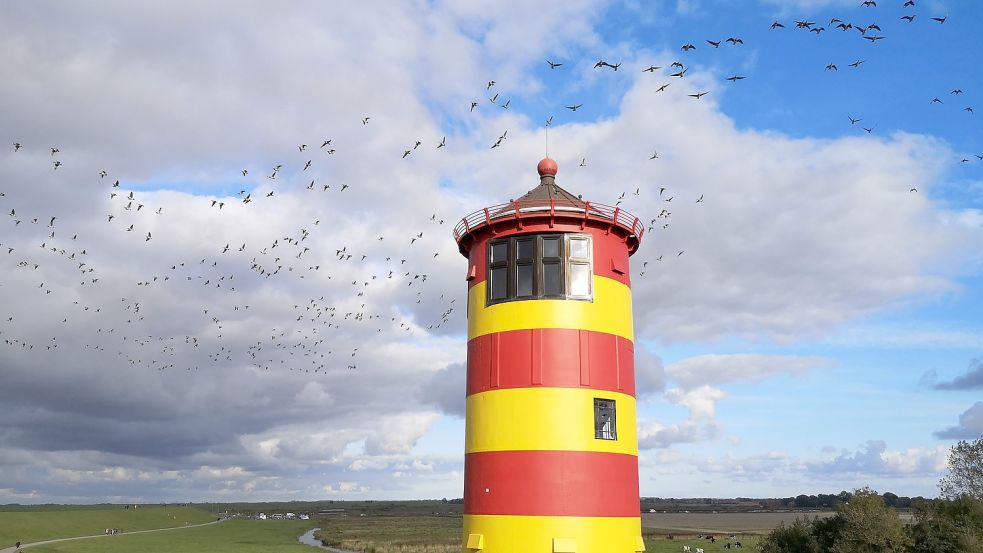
point(553, 208)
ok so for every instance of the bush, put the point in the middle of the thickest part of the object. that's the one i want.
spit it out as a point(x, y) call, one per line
point(948, 527)
point(796, 538)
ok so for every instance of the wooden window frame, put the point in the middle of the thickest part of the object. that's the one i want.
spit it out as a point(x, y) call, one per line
point(539, 261)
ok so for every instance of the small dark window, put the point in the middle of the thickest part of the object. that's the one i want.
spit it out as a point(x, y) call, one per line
point(498, 271)
point(524, 280)
point(552, 279)
point(605, 419)
point(499, 252)
point(499, 277)
point(551, 246)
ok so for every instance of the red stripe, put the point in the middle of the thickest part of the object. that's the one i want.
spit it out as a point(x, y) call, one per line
point(551, 483)
point(551, 357)
point(610, 252)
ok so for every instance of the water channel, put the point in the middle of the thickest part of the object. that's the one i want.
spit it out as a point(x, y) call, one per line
point(309, 539)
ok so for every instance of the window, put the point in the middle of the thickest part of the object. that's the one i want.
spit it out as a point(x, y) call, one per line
point(605, 419)
point(540, 266)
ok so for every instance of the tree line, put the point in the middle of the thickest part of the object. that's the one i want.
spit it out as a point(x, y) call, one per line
point(868, 523)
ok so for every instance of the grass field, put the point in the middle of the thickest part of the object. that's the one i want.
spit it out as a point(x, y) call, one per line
point(32, 524)
point(233, 536)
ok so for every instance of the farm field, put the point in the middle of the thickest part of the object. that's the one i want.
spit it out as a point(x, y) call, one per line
point(232, 536)
point(31, 524)
point(750, 523)
point(412, 534)
point(421, 534)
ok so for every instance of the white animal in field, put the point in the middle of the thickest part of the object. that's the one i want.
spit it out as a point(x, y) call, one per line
point(699, 550)
point(686, 548)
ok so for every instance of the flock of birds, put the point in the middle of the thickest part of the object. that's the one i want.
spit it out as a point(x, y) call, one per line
point(316, 338)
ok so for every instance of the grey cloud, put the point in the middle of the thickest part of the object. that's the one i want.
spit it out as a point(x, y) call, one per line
point(971, 380)
point(446, 389)
point(970, 425)
point(656, 436)
point(874, 458)
point(718, 369)
point(650, 374)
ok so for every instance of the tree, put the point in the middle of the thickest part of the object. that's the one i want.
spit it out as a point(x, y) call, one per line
point(795, 538)
point(868, 525)
point(965, 475)
point(948, 526)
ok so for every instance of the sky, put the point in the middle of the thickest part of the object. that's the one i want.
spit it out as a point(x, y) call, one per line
point(254, 313)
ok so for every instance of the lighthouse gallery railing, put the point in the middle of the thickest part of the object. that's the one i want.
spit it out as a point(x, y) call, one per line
point(553, 208)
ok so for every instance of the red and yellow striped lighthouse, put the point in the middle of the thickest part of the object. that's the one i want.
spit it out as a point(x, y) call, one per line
point(551, 450)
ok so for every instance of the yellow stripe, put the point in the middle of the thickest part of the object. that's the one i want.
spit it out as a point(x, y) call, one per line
point(556, 419)
point(519, 534)
point(610, 312)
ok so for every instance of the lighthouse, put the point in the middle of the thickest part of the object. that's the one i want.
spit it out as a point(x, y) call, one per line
point(551, 447)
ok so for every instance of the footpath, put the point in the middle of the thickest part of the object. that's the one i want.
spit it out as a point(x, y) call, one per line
point(27, 545)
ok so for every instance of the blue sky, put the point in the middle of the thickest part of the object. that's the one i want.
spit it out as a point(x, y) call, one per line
point(800, 344)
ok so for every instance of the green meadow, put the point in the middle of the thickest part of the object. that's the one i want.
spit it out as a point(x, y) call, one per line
point(31, 524)
point(232, 536)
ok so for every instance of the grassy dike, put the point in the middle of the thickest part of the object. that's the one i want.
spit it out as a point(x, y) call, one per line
point(31, 524)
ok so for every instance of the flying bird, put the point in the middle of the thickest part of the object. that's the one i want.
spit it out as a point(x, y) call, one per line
point(574, 108)
point(698, 95)
point(553, 65)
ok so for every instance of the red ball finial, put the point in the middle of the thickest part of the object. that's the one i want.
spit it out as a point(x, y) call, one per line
point(546, 167)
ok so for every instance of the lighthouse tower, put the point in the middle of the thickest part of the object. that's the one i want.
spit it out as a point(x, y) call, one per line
point(551, 449)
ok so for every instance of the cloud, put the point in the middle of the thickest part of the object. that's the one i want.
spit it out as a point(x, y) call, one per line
point(970, 425)
point(874, 459)
point(725, 369)
point(650, 374)
point(700, 424)
point(698, 379)
point(446, 389)
point(971, 380)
